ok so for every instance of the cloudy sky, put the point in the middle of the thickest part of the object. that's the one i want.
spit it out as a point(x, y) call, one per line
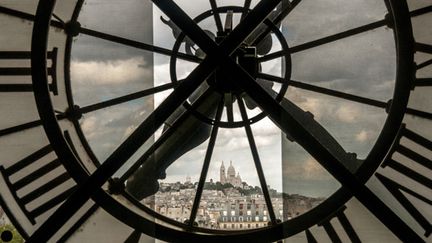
point(362, 65)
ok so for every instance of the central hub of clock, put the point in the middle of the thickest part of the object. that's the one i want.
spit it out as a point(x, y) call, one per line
point(223, 80)
point(252, 56)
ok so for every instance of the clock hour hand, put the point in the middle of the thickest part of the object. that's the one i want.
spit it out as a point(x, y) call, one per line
point(307, 119)
point(183, 132)
point(316, 129)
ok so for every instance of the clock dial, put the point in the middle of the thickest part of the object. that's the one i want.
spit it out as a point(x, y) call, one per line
point(26, 162)
point(233, 67)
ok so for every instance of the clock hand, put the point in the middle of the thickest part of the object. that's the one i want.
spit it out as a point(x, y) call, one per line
point(307, 119)
point(321, 134)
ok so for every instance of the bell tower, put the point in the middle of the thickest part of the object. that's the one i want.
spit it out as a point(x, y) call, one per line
point(222, 174)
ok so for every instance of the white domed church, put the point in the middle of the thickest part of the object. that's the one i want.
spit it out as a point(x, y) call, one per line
point(230, 176)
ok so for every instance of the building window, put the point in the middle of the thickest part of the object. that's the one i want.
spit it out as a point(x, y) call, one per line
point(265, 212)
point(232, 226)
point(232, 212)
point(249, 212)
point(224, 225)
point(224, 213)
point(256, 225)
point(249, 226)
point(265, 218)
point(257, 218)
point(241, 219)
point(241, 226)
point(241, 213)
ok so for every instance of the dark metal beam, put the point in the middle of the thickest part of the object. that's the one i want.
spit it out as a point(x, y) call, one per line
point(341, 35)
point(321, 90)
point(126, 98)
point(26, 16)
point(229, 107)
point(25, 126)
point(246, 6)
point(257, 161)
point(138, 45)
point(325, 40)
point(421, 11)
point(424, 64)
point(216, 15)
point(285, 9)
point(206, 165)
point(343, 95)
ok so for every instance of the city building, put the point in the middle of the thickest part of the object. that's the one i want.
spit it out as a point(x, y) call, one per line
point(227, 207)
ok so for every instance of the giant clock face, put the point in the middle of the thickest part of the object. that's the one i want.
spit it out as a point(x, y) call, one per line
point(102, 101)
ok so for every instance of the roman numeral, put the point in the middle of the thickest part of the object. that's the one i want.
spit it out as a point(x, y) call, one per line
point(26, 71)
point(331, 232)
point(427, 49)
point(395, 188)
point(41, 174)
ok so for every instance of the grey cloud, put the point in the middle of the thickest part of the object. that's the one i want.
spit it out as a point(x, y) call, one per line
point(127, 19)
point(87, 48)
point(106, 129)
point(357, 65)
point(315, 19)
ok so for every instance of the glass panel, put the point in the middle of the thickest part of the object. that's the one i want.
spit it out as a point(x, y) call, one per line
point(368, 70)
point(314, 20)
